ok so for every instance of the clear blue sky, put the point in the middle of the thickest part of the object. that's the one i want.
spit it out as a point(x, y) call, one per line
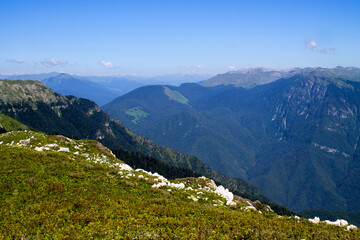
point(162, 37)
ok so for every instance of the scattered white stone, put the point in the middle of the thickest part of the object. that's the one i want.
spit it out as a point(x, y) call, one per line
point(225, 193)
point(63, 149)
point(160, 184)
point(338, 222)
point(24, 142)
point(125, 167)
point(316, 220)
point(351, 227)
point(39, 149)
point(177, 185)
point(51, 145)
point(193, 198)
point(250, 207)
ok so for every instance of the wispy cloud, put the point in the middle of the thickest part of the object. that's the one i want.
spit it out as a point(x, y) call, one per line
point(327, 51)
point(231, 67)
point(16, 61)
point(200, 67)
point(107, 64)
point(314, 46)
point(51, 62)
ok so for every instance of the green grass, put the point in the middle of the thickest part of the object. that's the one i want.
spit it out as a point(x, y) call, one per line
point(10, 124)
point(176, 96)
point(137, 113)
point(62, 195)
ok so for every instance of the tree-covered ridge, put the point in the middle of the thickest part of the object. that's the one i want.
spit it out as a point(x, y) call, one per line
point(60, 188)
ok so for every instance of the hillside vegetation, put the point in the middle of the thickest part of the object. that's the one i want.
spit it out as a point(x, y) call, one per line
point(58, 188)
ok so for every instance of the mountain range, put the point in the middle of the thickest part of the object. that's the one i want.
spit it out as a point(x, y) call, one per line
point(37, 106)
point(252, 77)
point(102, 89)
point(295, 137)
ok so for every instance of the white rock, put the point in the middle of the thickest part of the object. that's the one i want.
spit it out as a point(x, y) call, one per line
point(316, 220)
point(339, 222)
point(51, 145)
point(177, 185)
point(193, 198)
point(64, 149)
point(351, 227)
point(225, 193)
point(250, 207)
point(24, 142)
point(125, 167)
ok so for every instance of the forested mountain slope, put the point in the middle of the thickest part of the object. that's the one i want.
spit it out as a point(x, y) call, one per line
point(295, 138)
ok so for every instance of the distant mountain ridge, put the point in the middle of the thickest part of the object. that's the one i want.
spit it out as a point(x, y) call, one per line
point(295, 138)
point(252, 77)
point(67, 84)
point(102, 89)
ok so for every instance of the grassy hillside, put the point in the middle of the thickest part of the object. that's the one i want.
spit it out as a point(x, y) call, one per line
point(57, 188)
point(9, 124)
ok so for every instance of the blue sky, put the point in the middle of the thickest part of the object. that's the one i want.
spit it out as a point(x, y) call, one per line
point(163, 37)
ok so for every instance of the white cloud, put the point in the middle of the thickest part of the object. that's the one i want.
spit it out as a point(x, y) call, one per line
point(16, 61)
point(51, 62)
point(231, 67)
point(107, 64)
point(315, 46)
point(310, 44)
